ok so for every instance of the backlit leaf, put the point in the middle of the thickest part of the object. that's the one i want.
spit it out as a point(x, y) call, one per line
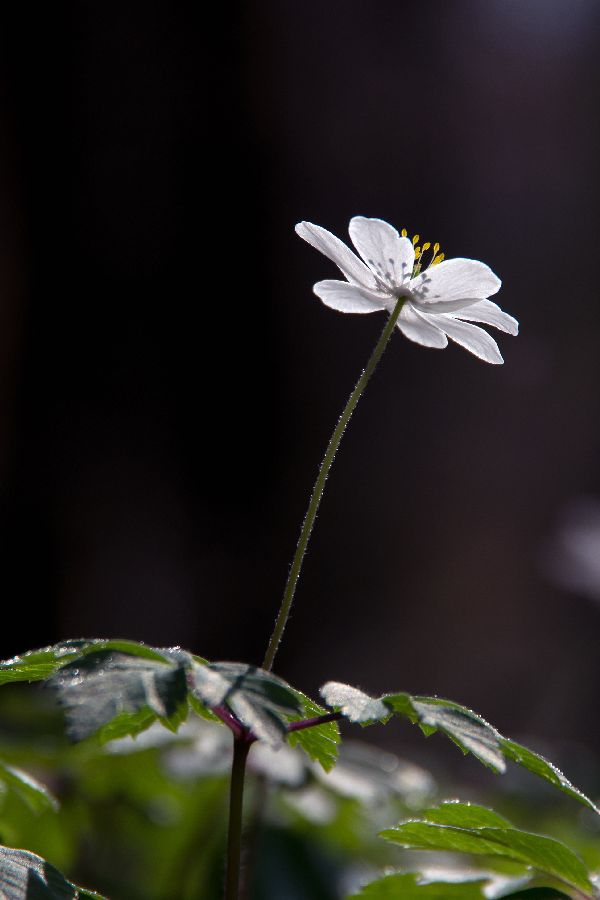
point(354, 703)
point(464, 727)
point(431, 832)
point(36, 795)
point(112, 694)
point(410, 887)
point(261, 701)
point(38, 664)
point(321, 743)
point(25, 876)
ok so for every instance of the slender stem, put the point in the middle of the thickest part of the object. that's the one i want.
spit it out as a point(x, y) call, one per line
point(252, 832)
point(317, 493)
point(236, 797)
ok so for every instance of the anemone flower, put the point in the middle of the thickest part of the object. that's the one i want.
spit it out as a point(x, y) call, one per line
point(441, 300)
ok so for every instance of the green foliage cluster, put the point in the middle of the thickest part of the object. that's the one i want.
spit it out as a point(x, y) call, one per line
point(143, 780)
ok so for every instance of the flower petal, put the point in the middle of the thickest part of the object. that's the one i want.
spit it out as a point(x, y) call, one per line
point(416, 328)
point(472, 338)
point(490, 314)
point(347, 298)
point(330, 246)
point(444, 306)
point(388, 255)
point(455, 279)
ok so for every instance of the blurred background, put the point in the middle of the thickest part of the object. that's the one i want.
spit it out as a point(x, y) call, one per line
point(169, 381)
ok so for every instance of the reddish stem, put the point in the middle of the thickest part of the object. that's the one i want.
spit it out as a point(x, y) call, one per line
point(241, 733)
point(318, 720)
point(227, 717)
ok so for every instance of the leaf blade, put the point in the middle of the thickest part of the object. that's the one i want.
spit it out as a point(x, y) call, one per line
point(110, 694)
point(321, 742)
point(468, 730)
point(24, 876)
point(36, 795)
point(409, 886)
point(545, 854)
point(353, 703)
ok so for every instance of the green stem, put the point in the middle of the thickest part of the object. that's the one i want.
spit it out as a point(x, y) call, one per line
point(236, 797)
point(317, 493)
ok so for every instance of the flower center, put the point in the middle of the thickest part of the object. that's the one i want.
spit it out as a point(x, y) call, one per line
point(421, 249)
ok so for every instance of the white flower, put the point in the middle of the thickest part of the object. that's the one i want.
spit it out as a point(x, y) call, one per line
point(441, 301)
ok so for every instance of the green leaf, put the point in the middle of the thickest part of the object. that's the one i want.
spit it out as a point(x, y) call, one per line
point(36, 665)
point(261, 701)
point(111, 694)
point(25, 876)
point(202, 710)
point(321, 743)
point(35, 795)
point(464, 815)
point(464, 727)
point(409, 887)
point(468, 834)
point(353, 703)
point(541, 767)
point(468, 730)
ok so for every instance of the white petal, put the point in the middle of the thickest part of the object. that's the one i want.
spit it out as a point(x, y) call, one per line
point(455, 279)
point(390, 256)
point(472, 338)
point(490, 314)
point(347, 297)
point(444, 306)
point(330, 246)
point(416, 328)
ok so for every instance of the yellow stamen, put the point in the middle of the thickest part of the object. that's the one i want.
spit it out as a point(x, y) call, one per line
point(420, 250)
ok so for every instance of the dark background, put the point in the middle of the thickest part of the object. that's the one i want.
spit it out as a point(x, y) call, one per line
point(169, 381)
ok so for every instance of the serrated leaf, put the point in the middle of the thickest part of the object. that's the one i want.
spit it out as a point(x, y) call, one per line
point(112, 694)
point(261, 701)
point(321, 742)
point(464, 815)
point(25, 876)
point(270, 690)
point(545, 854)
point(353, 703)
point(463, 726)
point(410, 887)
point(468, 730)
point(36, 795)
point(208, 685)
point(202, 710)
point(36, 665)
point(541, 767)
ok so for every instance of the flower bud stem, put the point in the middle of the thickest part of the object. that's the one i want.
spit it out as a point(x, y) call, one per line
point(317, 493)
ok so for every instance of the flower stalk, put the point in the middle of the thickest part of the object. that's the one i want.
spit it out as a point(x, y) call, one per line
point(319, 487)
